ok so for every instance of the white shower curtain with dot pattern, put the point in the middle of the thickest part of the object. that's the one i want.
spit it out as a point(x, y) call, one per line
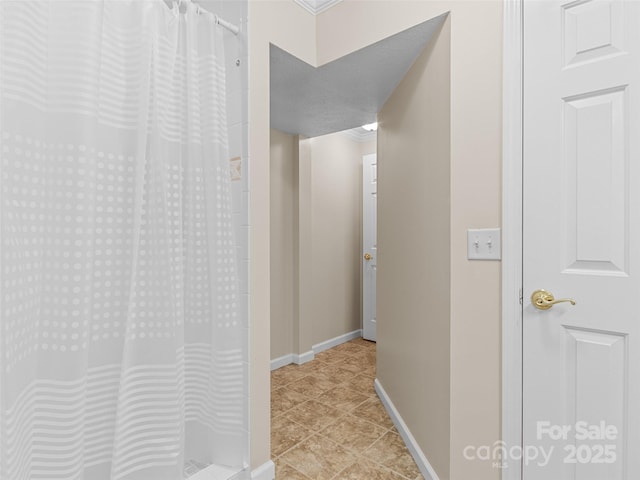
point(121, 347)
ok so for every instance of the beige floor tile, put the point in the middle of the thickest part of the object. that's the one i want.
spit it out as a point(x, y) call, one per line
point(284, 399)
point(350, 347)
point(373, 411)
point(361, 383)
point(329, 356)
point(365, 470)
point(285, 375)
point(311, 367)
point(285, 434)
point(354, 433)
point(363, 342)
point(318, 458)
point(370, 370)
point(358, 348)
point(344, 399)
point(391, 452)
point(370, 356)
point(337, 373)
point(314, 415)
point(312, 385)
point(287, 472)
point(355, 365)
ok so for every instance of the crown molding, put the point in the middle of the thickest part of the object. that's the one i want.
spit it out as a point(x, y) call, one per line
point(316, 6)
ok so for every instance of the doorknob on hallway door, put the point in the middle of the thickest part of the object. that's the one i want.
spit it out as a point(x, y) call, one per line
point(367, 256)
point(543, 300)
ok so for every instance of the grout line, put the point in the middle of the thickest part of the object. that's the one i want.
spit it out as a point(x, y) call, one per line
point(385, 466)
point(291, 466)
point(296, 444)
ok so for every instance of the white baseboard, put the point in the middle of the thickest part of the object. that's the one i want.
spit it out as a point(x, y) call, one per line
point(303, 357)
point(334, 342)
point(420, 458)
point(266, 471)
point(281, 361)
point(310, 355)
point(292, 358)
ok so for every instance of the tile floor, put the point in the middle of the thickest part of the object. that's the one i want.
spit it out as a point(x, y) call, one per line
point(328, 423)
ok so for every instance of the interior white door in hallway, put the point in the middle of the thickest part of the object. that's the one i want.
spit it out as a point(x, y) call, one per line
point(581, 234)
point(369, 245)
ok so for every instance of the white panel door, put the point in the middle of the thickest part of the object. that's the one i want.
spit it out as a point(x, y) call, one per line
point(581, 364)
point(369, 245)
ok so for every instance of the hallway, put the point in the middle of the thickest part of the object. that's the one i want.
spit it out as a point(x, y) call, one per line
point(328, 423)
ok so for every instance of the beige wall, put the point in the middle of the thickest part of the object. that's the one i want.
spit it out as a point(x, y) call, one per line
point(304, 295)
point(475, 127)
point(476, 162)
point(286, 24)
point(336, 185)
point(414, 190)
point(315, 239)
point(283, 208)
point(368, 147)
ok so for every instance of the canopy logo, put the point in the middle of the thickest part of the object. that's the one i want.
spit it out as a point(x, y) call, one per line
point(499, 453)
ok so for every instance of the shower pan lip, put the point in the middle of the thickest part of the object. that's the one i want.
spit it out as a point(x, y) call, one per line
point(217, 472)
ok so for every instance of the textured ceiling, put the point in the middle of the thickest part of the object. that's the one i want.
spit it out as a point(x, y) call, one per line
point(347, 92)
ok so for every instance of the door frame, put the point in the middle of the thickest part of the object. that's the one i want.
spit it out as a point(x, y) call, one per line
point(512, 241)
point(364, 247)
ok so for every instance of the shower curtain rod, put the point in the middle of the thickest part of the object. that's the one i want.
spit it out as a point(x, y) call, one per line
point(220, 21)
point(229, 26)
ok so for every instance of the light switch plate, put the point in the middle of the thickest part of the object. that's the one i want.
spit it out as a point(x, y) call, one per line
point(483, 244)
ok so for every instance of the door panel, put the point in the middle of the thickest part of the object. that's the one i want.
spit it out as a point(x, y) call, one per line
point(581, 234)
point(596, 161)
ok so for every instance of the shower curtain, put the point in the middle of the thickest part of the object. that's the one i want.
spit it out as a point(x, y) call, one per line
point(121, 344)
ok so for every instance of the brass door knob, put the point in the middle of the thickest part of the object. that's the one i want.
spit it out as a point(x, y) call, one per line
point(543, 300)
point(367, 256)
